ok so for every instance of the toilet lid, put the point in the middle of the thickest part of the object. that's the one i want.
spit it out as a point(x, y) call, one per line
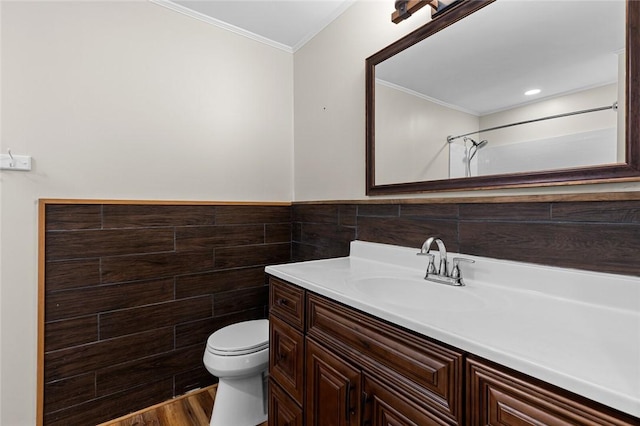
point(240, 338)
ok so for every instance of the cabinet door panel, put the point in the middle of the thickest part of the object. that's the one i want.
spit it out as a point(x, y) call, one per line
point(333, 389)
point(283, 411)
point(286, 357)
point(500, 398)
point(385, 407)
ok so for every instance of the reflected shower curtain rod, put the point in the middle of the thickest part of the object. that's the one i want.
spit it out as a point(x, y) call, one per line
point(614, 107)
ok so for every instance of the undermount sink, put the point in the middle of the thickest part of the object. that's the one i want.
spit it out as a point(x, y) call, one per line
point(417, 294)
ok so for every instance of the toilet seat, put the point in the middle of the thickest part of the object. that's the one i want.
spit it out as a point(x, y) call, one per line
point(240, 338)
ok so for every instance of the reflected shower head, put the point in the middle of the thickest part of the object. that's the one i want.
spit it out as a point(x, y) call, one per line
point(477, 145)
point(474, 149)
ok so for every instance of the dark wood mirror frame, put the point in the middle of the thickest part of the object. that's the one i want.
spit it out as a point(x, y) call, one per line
point(628, 171)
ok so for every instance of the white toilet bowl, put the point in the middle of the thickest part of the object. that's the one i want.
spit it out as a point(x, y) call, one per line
point(239, 356)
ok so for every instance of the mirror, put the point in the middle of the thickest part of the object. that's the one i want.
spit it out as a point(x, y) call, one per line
point(446, 107)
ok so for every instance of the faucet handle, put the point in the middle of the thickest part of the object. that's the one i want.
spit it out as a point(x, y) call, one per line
point(444, 267)
point(431, 267)
point(455, 272)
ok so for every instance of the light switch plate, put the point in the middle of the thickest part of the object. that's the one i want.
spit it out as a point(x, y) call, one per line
point(18, 162)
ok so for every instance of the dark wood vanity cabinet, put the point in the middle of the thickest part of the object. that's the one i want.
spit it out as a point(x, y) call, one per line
point(346, 368)
point(333, 365)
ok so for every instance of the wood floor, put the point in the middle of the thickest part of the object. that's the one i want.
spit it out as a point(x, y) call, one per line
point(192, 409)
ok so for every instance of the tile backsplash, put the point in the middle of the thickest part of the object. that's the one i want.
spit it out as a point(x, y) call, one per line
point(600, 236)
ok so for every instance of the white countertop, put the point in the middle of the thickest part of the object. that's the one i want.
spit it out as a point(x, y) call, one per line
point(576, 329)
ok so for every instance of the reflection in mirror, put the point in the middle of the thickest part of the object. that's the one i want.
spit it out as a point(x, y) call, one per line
point(514, 89)
point(474, 75)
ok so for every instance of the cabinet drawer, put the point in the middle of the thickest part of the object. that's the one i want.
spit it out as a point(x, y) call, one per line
point(497, 397)
point(282, 410)
point(286, 357)
point(287, 301)
point(429, 371)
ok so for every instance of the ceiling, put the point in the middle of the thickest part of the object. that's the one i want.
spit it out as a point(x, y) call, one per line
point(285, 24)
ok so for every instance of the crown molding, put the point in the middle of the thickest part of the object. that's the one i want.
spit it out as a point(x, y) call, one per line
point(220, 24)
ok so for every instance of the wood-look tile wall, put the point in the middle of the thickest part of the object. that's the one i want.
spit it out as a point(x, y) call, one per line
point(133, 291)
point(601, 236)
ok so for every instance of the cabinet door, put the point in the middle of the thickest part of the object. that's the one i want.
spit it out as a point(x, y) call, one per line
point(282, 410)
point(501, 398)
point(286, 357)
point(384, 406)
point(333, 389)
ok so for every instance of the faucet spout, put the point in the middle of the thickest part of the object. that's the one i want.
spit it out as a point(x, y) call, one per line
point(426, 246)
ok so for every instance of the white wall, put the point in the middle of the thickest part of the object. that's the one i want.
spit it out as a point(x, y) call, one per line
point(329, 86)
point(411, 136)
point(329, 159)
point(125, 100)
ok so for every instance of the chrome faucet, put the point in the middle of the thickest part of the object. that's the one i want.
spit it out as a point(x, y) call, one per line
point(442, 274)
point(426, 246)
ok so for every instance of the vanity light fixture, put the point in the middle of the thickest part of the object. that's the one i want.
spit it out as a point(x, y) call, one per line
point(532, 92)
point(405, 8)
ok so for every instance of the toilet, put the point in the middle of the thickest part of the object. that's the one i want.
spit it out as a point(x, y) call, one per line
point(238, 355)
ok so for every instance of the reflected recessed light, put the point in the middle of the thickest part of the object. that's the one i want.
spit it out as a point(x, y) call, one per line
point(532, 92)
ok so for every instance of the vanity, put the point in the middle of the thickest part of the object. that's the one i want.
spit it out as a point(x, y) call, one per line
point(365, 340)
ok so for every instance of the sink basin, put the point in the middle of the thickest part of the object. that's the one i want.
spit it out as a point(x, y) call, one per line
point(417, 294)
